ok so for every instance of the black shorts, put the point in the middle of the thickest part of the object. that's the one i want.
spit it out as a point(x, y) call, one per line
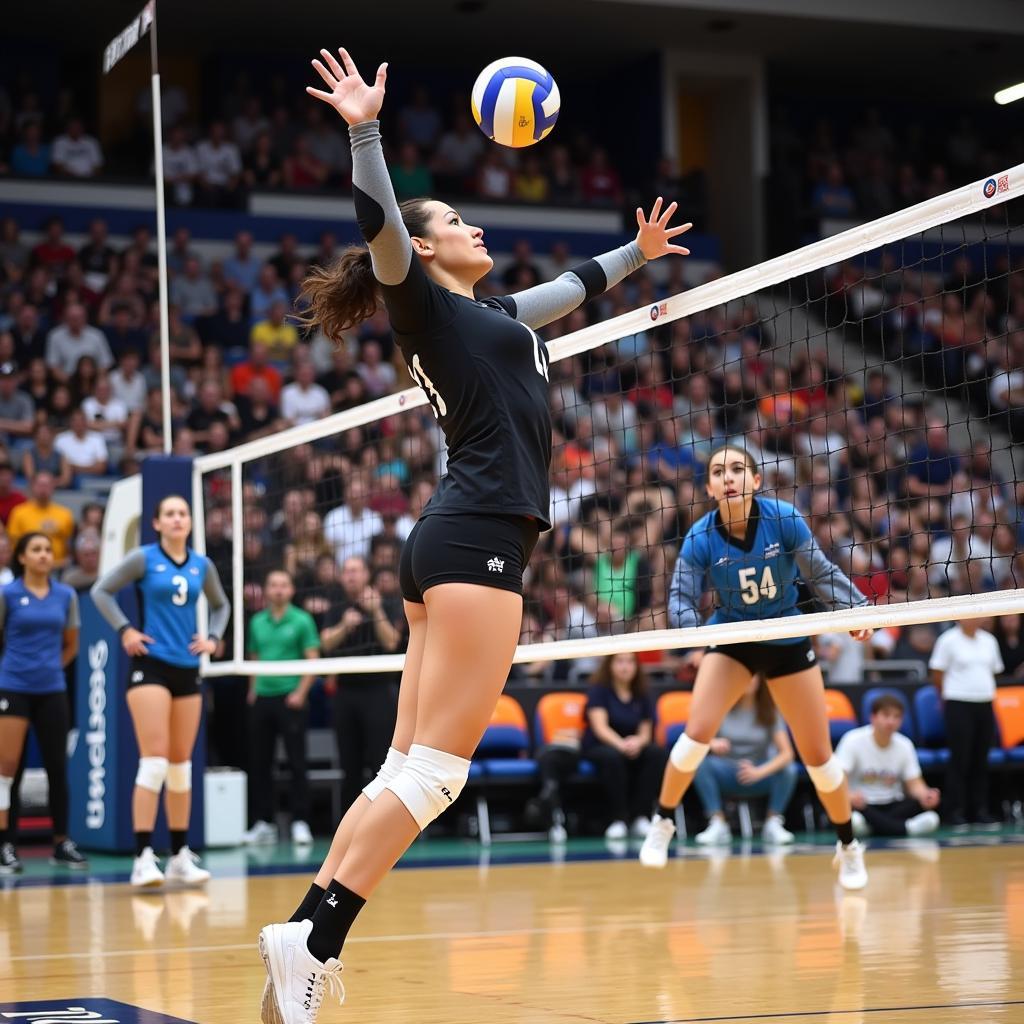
point(771, 660)
point(146, 671)
point(16, 704)
point(489, 550)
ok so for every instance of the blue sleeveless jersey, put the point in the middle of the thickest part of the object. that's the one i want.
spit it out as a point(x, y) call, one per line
point(168, 593)
point(754, 577)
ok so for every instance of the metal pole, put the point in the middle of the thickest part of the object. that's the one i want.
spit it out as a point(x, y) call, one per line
point(161, 241)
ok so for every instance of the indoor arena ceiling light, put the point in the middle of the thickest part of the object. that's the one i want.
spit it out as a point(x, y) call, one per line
point(1014, 92)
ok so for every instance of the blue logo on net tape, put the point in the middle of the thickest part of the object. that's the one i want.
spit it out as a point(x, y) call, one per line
point(82, 1011)
point(989, 188)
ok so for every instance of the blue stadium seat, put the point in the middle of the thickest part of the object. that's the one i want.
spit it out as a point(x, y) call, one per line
point(907, 728)
point(931, 727)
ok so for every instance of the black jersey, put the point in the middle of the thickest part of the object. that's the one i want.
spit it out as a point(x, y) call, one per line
point(486, 376)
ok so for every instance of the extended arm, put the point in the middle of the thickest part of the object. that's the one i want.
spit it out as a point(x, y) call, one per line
point(685, 593)
point(829, 583)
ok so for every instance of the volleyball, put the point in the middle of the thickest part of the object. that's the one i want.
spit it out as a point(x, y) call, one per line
point(515, 102)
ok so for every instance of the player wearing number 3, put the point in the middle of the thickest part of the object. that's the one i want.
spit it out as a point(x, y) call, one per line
point(751, 550)
point(163, 683)
point(484, 371)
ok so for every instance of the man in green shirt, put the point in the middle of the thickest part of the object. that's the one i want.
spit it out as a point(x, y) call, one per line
point(281, 632)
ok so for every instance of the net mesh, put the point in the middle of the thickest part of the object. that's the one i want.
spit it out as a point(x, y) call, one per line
point(881, 396)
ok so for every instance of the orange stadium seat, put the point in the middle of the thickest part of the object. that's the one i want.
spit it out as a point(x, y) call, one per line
point(671, 715)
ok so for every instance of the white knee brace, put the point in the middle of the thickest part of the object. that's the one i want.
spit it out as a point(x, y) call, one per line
point(179, 777)
point(687, 754)
point(388, 770)
point(5, 792)
point(429, 782)
point(151, 774)
point(827, 777)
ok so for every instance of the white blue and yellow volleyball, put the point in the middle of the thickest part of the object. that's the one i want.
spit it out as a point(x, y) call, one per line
point(515, 102)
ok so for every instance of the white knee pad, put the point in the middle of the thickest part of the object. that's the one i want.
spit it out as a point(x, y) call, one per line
point(179, 777)
point(687, 754)
point(827, 777)
point(5, 792)
point(388, 770)
point(151, 774)
point(429, 782)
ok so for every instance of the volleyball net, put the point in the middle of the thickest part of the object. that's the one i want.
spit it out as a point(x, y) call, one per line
point(876, 376)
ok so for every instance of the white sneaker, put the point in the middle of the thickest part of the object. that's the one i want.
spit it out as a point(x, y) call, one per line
point(861, 828)
point(716, 834)
point(640, 827)
point(616, 830)
point(850, 861)
point(301, 835)
point(298, 980)
point(775, 833)
point(654, 852)
point(263, 832)
point(184, 868)
point(557, 833)
point(146, 873)
point(922, 824)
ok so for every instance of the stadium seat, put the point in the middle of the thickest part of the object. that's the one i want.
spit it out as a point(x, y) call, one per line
point(907, 728)
point(671, 714)
point(841, 716)
point(931, 727)
point(1009, 709)
point(562, 716)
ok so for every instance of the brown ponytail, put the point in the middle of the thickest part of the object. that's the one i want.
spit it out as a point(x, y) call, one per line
point(345, 293)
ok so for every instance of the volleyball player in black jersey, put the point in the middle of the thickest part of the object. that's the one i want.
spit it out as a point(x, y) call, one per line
point(485, 373)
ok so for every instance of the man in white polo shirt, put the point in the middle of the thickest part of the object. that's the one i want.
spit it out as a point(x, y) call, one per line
point(964, 664)
point(888, 794)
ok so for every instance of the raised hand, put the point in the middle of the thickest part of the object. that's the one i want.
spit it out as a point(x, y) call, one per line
point(654, 235)
point(349, 94)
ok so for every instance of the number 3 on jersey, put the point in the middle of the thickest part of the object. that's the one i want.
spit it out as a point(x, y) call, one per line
point(750, 591)
point(180, 595)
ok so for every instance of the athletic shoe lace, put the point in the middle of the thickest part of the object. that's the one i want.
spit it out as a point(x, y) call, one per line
point(325, 980)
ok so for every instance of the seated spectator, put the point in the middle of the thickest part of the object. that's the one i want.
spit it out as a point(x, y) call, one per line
point(53, 252)
point(75, 338)
point(127, 383)
point(124, 333)
point(85, 449)
point(17, 410)
point(410, 176)
point(31, 157)
point(832, 197)
point(220, 168)
point(600, 184)
point(14, 254)
point(304, 400)
point(378, 377)
point(841, 658)
point(964, 665)
point(280, 632)
point(335, 380)
point(42, 457)
point(82, 382)
point(249, 124)
point(531, 184)
point(563, 180)
point(751, 756)
point(256, 367)
point(931, 465)
point(350, 527)
point(181, 168)
point(109, 415)
point(619, 741)
point(10, 496)
point(229, 328)
point(28, 336)
point(75, 154)
point(457, 156)
point(152, 373)
point(494, 177)
point(257, 411)
point(302, 168)
point(183, 341)
point(85, 569)
point(242, 268)
point(268, 291)
point(420, 121)
point(305, 549)
point(211, 407)
point(275, 333)
point(287, 257)
point(192, 292)
point(262, 166)
point(146, 432)
point(41, 514)
point(522, 271)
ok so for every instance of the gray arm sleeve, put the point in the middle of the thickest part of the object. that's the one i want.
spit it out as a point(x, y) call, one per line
point(376, 207)
point(104, 591)
point(220, 607)
point(830, 584)
point(74, 619)
point(684, 595)
point(543, 303)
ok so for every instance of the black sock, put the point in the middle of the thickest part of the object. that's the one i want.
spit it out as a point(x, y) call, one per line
point(332, 920)
point(179, 838)
point(844, 831)
point(667, 812)
point(309, 904)
point(142, 840)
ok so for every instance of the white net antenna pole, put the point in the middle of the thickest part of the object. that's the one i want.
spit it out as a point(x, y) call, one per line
point(143, 22)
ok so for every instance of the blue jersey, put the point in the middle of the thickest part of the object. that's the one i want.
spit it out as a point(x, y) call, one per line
point(755, 577)
point(34, 636)
point(168, 594)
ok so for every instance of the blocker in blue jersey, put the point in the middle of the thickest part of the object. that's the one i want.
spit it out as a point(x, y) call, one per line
point(751, 551)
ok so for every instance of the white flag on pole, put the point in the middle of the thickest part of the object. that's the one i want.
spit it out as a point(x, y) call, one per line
point(126, 39)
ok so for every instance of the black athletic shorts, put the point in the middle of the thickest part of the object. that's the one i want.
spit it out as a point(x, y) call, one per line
point(771, 660)
point(16, 704)
point(147, 671)
point(489, 550)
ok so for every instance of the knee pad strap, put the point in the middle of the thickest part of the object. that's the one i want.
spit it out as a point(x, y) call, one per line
point(388, 770)
point(6, 783)
point(827, 777)
point(179, 777)
point(687, 754)
point(429, 782)
point(151, 774)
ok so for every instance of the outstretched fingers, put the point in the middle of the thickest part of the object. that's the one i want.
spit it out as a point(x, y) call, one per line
point(667, 215)
point(350, 64)
point(682, 229)
point(332, 63)
point(382, 76)
point(327, 97)
point(326, 75)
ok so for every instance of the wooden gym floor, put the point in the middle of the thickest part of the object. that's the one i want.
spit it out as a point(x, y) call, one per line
point(936, 938)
